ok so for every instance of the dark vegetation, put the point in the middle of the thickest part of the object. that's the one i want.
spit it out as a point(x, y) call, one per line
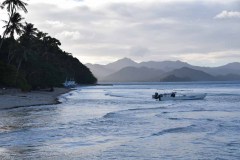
point(33, 59)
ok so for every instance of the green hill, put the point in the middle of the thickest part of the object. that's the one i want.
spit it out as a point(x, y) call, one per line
point(32, 62)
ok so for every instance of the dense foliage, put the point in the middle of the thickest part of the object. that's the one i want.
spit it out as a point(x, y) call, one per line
point(35, 60)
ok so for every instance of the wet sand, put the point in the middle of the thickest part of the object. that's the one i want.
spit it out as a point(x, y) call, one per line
point(12, 98)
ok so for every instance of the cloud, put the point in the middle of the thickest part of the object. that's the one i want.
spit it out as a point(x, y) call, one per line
point(69, 35)
point(228, 14)
point(138, 51)
point(143, 30)
point(55, 24)
point(213, 58)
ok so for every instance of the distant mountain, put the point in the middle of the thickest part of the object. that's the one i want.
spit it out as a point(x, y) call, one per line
point(133, 74)
point(229, 77)
point(233, 66)
point(173, 78)
point(100, 71)
point(127, 70)
point(222, 70)
point(122, 63)
point(165, 65)
point(185, 74)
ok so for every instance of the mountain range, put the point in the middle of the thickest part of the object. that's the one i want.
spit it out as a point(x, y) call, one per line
point(127, 70)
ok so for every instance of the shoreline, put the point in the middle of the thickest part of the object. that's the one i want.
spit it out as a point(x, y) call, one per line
point(14, 98)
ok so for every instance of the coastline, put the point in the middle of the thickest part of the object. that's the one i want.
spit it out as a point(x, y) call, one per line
point(14, 98)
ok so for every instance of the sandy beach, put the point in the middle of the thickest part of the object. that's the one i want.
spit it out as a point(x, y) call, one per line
point(11, 98)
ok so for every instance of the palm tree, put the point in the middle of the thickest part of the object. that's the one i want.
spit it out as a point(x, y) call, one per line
point(29, 30)
point(12, 6)
point(41, 35)
point(1, 6)
point(15, 25)
point(20, 56)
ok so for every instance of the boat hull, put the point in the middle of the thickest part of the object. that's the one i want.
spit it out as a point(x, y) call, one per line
point(183, 97)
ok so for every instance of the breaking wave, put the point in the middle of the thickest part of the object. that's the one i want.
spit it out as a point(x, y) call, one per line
point(187, 129)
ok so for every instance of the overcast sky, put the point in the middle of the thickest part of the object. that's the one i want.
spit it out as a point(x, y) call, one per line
point(201, 32)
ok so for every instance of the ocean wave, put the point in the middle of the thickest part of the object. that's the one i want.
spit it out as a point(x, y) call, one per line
point(187, 129)
point(175, 118)
point(110, 115)
point(65, 97)
point(115, 95)
point(127, 94)
point(114, 114)
point(199, 110)
point(223, 94)
point(197, 119)
point(152, 108)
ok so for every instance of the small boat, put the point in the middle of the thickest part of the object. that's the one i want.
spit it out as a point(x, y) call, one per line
point(69, 83)
point(175, 96)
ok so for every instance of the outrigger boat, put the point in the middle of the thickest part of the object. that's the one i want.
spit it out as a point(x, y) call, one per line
point(175, 96)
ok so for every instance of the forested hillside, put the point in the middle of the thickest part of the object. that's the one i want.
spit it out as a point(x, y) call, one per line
point(31, 59)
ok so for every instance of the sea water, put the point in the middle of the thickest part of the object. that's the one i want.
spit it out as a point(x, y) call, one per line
point(122, 121)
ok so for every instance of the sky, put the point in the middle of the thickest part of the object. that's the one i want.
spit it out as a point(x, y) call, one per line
point(200, 32)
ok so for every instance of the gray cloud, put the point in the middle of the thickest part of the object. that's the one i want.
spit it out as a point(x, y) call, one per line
point(143, 31)
point(228, 14)
point(139, 51)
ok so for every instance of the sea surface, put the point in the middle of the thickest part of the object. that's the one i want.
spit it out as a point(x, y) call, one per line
point(122, 121)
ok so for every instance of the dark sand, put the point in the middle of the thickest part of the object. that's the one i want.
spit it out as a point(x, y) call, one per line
point(12, 98)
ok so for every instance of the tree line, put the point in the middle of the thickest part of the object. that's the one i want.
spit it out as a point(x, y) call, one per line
point(31, 59)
